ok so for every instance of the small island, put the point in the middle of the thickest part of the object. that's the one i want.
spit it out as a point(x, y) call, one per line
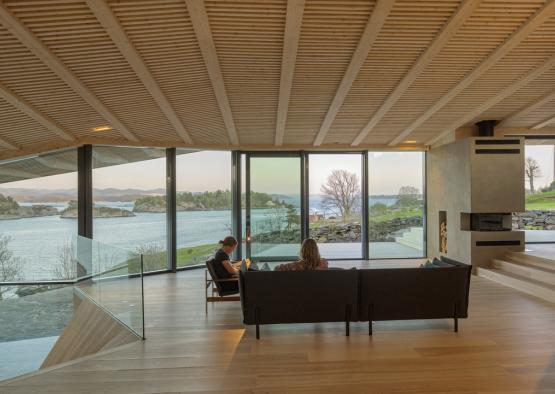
point(10, 209)
point(98, 212)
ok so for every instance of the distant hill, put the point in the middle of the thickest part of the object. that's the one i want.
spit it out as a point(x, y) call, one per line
point(65, 195)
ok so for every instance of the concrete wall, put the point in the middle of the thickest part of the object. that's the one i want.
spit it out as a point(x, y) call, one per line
point(461, 181)
point(448, 189)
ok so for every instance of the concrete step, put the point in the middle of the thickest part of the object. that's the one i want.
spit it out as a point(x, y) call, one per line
point(526, 285)
point(413, 238)
point(522, 257)
point(529, 271)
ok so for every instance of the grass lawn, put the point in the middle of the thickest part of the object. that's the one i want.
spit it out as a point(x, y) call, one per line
point(158, 261)
point(194, 254)
point(400, 213)
point(541, 201)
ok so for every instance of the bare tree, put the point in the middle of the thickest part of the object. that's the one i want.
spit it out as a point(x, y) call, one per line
point(10, 266)
point(341, 192)
point(532, 170)
point(154, 256)
point(66, 268)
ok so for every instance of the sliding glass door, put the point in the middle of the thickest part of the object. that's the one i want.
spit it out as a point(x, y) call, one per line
point(396, 205)
point(335, 203)
point(273, 206)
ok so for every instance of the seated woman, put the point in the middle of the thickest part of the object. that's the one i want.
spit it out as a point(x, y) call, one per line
point(222, 263)
point(309, 259)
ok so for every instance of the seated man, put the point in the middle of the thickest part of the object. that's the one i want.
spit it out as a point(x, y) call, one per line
point(309, 259)
point(223, 267)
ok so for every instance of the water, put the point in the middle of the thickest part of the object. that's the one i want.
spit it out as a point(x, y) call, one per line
point(39, 241)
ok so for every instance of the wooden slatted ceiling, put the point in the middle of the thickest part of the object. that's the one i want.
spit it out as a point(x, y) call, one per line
point(249, 38)
point(486, 29)
point(162, 33)
point(527, 110)
point(536, 45)
point(29, 78)
point(517, 64)
point(479, 42)
point(329, 35)
point(408, 31)
point(74, 35)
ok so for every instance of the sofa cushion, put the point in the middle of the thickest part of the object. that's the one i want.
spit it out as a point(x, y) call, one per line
point(428, 264)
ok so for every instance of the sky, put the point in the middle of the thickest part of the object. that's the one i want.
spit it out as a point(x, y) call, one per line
point(211, 170)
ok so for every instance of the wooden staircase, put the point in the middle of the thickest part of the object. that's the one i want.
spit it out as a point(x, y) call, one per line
point(90, 331)
point(529, 274)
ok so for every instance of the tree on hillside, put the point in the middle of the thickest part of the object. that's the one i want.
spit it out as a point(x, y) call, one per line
point(341, 193)
point(532, 171)
point(408, 196)
point(10, 266)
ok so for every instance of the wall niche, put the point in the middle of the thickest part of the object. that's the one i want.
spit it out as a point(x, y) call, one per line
point(442, 232)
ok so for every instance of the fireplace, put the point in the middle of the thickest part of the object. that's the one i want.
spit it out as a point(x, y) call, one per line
point(490, 222)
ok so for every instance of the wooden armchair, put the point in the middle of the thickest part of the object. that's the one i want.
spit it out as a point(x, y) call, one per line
point(218, 293)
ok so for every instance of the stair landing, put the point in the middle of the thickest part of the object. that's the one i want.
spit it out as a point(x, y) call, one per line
point(532, 272)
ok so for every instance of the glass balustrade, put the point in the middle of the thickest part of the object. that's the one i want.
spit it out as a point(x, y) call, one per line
point(113, 279)
point(33, 314)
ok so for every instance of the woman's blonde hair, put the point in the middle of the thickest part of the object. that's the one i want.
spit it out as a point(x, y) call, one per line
point(310, 255)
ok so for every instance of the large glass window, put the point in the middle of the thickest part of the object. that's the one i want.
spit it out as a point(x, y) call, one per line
point(37, 223)
point(275, 203)
point(539, 219)
point(335, 203)
point(203, 203)
point(396, 204)
point(129, 195)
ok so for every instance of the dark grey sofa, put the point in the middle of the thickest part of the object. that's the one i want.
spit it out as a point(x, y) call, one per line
point(269, 297)
point(414, 293)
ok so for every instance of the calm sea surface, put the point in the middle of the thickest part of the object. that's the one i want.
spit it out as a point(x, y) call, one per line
point(38, 241)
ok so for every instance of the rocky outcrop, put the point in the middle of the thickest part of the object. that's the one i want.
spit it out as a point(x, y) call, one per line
point(98, 212)
point(28, 212)
point(534, 220)
point(344, 232)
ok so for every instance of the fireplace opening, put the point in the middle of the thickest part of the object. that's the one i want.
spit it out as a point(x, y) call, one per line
point(490, 222)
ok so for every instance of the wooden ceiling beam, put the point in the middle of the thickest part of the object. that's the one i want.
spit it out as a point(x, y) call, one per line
point(375, 22)
point(108, 20)
point(519, 84)
point(293, 22)
point(541, 16)
point(526, 110)
point(201, 25)
point(25, 107)
point(456, 20)
point(544, 123)
point(8, 145)
point(27, 38)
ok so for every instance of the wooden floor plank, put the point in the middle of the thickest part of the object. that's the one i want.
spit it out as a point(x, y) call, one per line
point(506, 346)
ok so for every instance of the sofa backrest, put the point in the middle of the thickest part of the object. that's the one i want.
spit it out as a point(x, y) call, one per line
point(414, 293)
point(270, 297)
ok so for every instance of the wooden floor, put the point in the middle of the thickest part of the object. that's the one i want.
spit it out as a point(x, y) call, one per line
point(506, 346)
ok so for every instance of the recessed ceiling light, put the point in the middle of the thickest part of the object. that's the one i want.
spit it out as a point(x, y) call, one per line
point(99, 129)
point(410, 142)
